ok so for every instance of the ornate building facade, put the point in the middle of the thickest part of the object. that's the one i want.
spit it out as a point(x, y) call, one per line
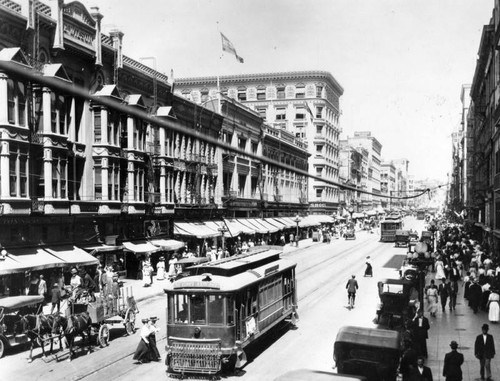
point(302, 105)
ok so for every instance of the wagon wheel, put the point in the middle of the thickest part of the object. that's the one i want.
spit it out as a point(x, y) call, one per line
point(130, 321)
point(103, 336)
point(2, 347)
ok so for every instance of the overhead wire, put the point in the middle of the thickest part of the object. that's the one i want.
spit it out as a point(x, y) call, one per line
point(173, 125)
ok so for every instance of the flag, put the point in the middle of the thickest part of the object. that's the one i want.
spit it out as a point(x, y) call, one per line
point(173, 80)
point(309, 110)
point(227, 46)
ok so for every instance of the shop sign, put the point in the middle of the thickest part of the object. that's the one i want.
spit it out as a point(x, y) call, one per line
point(318, 205)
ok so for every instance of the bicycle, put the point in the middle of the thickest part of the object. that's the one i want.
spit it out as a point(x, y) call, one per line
point(351, 296)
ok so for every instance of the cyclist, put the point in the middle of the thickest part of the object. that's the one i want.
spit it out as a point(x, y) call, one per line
point(351, 286)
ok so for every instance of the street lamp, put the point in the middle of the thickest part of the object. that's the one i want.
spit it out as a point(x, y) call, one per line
point(3, 254)
point(222, 230)
point(297, 221)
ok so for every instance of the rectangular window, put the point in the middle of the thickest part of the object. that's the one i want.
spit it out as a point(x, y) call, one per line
point(261, 95)
point(300, 113)
point(62, 168)
point(216, 309)
point(319, 148)
point(319, 91)
point(242, 143)
point(280, 113)
point(253, 186)
point(13, 174)
point(55, 178)
point(300, 92)
point(242, 95)
point(319, 129)
point(198, 309)
point(241, 185)
point(11, 101)
point(255, 147)
point(97, 125)
point(319, 171)
point(319, 112)
point(319, 193)
point(97, 181)
point(23, 175)
point(280, 92)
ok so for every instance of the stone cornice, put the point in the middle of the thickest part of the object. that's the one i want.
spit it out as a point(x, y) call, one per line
point(264, 77)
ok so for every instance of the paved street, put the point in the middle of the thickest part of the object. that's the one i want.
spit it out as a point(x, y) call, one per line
point(322, 272)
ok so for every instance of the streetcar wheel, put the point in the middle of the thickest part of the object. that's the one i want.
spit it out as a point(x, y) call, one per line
point(103, 336)
point(130, 322)
point(2, 348)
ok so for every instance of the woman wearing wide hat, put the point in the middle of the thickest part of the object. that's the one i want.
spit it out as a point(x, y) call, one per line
point(143, 352)
point(155, 354)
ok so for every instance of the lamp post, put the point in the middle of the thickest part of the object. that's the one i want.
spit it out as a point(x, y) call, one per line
point(222, 230)
point(297, 220)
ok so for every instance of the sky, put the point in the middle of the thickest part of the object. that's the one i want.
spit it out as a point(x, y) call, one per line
point(401, 62)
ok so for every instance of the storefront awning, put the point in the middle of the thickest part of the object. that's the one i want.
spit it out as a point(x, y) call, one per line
point(358, 215)
point(234, 226)
point(269, 227)
point(274, 222)
point(308, 221)
point(195, 229)
point(167, 244)
point(101, 248)
point(287, 224)
point(140, 247)
point(320, 218)
point(72, 255)
point(28, 259)
point(290, 221)
point(257, 228)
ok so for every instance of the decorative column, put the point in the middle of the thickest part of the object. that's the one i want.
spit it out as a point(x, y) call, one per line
point(131, 182)
point(105, 178)
point(4, 168)
point(4, 103)
point(47, 173)
point(104, 126)
point(163, 181)
point(47, 115)
point(130, 133)
point(72, 121)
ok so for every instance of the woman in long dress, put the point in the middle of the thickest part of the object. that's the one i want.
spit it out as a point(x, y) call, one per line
point(440, 274)
point(494, 312)
point(160, 269)
point(432, 298)
point(143, 352)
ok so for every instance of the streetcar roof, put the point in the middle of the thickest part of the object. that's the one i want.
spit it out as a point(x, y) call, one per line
point(316, 375)
point(373, 337)
point(16, 302)
point(256, 257)
point(219, 283)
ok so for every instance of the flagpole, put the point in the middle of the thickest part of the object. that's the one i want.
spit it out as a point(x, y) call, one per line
point(219, 102)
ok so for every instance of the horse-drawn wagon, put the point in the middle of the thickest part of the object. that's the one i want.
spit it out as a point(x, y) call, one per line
point(12, 310)
point(95, 316)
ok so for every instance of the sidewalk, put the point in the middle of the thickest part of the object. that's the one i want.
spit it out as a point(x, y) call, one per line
point(142, 293)
point(461, 325)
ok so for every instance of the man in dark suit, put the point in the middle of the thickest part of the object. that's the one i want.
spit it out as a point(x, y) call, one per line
point(484, 350)
point(421, 372)
point(452, 364)
point(420, 327)
point(444, 291)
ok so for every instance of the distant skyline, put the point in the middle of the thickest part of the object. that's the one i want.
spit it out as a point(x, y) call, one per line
point(401, 62)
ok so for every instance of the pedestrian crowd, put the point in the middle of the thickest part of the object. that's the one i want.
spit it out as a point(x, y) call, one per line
point(460, 263)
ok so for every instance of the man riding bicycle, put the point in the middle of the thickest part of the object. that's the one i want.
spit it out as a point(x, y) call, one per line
point(351, 286)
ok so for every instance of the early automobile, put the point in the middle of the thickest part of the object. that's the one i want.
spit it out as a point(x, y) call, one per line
point(368, 352)
point(12, 309)
point(398, 299)
point(402, 238)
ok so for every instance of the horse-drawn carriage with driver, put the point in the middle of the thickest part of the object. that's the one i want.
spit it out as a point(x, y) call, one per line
point(15, 311)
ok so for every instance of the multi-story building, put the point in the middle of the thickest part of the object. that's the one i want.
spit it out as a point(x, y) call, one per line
point(303, 104)
point(350, 173)
point(402, 166)
point(253, 188)
point(100, 170)
point(388, 183)
point(373, 147)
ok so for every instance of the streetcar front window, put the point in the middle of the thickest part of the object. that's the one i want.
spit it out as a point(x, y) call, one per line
point(230, 310)
point(198, 309)
point(179, 308)
point(216, 309)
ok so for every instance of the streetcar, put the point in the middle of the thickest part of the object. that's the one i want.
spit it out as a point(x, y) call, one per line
point(222, 306)
point(388, 228)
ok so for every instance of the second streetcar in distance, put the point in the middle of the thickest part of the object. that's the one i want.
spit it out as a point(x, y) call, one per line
point(225, 305)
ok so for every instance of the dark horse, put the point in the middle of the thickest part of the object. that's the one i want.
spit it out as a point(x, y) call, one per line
point(37, 327)
point(75, 325)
